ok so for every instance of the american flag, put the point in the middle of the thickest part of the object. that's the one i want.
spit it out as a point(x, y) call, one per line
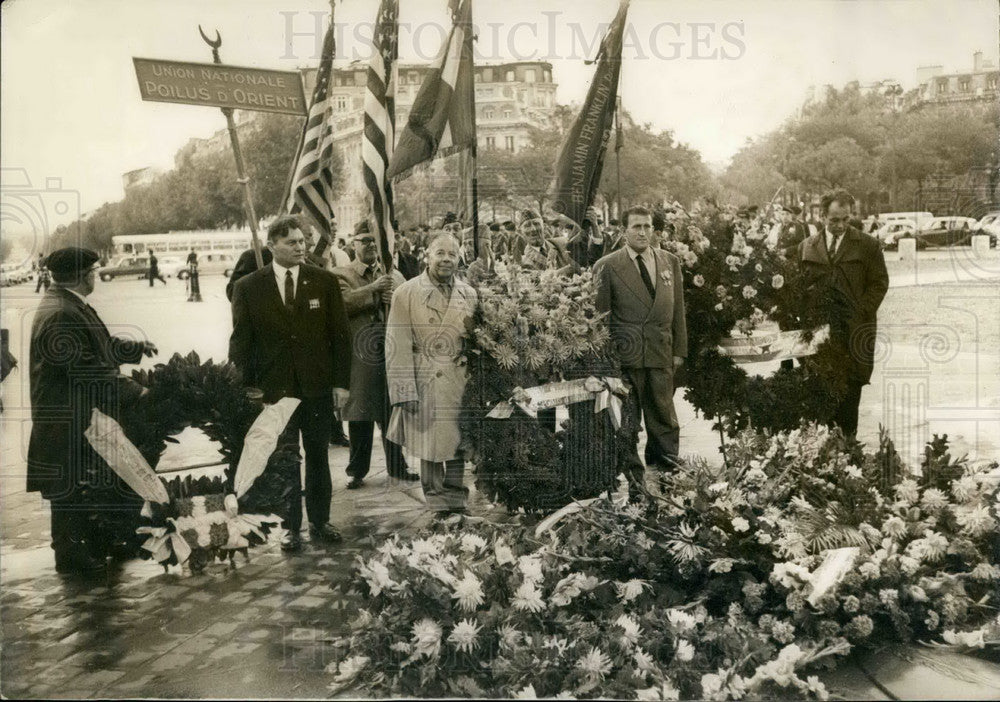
point(380, 126)
point(312, 187)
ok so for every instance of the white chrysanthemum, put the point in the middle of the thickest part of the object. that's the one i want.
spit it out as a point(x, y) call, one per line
point(685, 651)
point(630, 628)
point(427, 638)
point(975, 521)
point(376, 575)
point(509, 637)
point(908, 491)
point(350, 667)
point(665, 691)
point(472, 543)
point(777, 281)
point(503, 553)
point(643, 661)
point(711, 685)
point(681, 620)
point(631, 589)
point(595, 664)
point(526, 693)
point(528, 598)
point(894, 527)
point(741, 524)
point(531, 568)
point(965, 488)
point(468, 592)
point(699, 280)
point(463, 636)
point(934, 499)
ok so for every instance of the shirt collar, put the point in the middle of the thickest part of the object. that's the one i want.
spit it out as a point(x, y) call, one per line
point(646, 255)
point(279, 272)
point(82, 298)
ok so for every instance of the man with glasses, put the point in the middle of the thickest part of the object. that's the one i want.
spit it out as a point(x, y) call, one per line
point(74, 370)
point(367, 293)
point(846, 268)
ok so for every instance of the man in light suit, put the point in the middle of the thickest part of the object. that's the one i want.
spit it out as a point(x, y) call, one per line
point(367, 295)
point(291, 339)
point(642, 289)
point(847, 268)
point(426, 379)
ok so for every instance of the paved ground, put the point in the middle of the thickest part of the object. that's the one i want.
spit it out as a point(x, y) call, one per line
point(262, 628)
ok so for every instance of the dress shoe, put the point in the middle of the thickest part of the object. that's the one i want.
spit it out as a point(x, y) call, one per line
point(355, 483)
point(81, 564)
point(408, 476)
point(324, 532)
point(291, 542)
point(340, 440)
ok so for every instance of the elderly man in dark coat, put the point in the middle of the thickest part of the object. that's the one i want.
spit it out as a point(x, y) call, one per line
point(847, 268)
point(74, 369)
point(367, 294)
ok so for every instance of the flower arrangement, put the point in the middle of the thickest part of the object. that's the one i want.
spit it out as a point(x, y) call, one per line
point(530, 328)
point(735, 281)
point(717, 591)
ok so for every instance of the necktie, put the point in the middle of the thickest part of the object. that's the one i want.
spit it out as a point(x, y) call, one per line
point(834, 243)
point(289, 292)
point(644, 274)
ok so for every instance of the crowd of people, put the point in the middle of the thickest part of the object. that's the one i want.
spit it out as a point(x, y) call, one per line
point(356, 342)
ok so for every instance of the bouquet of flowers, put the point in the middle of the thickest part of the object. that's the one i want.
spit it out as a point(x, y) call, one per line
point(744, 582)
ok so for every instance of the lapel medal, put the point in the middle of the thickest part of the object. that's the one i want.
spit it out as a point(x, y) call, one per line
point(314, 304)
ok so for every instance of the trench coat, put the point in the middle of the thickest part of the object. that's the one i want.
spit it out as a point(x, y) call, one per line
point(74, 364)
point(424, 362)
point(368, 385)
point(855, 279)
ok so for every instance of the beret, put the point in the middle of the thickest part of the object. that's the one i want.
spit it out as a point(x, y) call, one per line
point(360, 228)
point(70, 261)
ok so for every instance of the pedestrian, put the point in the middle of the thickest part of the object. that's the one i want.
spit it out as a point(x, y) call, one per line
point(245, 265)
point(291, 338)
point(427, 325)
point(74, 369)
point(642, 289)
point(154, 270)
point(44, 276)
point(192, 258)
point(847, 269)
point(367, 295)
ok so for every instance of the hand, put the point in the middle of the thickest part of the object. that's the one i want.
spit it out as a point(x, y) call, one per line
point(410, 406)
point(383, 283)
point(386, 297)
point(149, 349)
point(678, 362)
point(340, 397)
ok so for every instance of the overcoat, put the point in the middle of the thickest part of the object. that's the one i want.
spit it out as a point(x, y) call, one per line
point(368, 385)
point(646, 332)
point(74, 364)
point(424, 362)
point(304, 354)
point(854, 280)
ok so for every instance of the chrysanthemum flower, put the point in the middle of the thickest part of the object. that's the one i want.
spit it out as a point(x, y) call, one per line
point(631, 589)
point(685, 651)
point(595, 664)
point(463, 636)
point(630, 629)
point(468, 592)
point(427, 638)
point(528, 598)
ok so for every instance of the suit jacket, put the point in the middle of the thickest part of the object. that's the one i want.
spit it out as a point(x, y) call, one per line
point(74, 368)
point(303, 354)
point(423, 346)
point(646, 332)
point(368, 387)
point(245, 265)
point(855, 280)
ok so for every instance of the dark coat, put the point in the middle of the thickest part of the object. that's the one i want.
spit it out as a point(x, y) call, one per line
point(304, 354)
point(74, 368)
point(408, 265)
point(369, 392)
point(855, 282)
point(646, 332)
point(245, 265)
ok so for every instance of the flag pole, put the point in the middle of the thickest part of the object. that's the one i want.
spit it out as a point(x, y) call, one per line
point(475, 150)
point(618, 149)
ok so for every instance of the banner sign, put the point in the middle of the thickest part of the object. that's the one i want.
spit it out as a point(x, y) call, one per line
point(606, 391)
point(107, 438)
point(776, 346)
point(216, 85)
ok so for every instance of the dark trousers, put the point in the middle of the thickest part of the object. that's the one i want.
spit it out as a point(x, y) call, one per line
point(654, 394)
point(361, 435)
point(846, 416)
point(311, 420)
point(74, 537)
point(156, 275)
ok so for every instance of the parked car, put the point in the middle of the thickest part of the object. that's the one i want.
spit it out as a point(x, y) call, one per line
point(15, 274)
point(137, 266)
point(989, 224)
point(949, 222)
point(208, 264)
point(888, 233)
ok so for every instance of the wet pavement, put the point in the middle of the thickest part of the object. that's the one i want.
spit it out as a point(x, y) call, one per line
point(264, 627)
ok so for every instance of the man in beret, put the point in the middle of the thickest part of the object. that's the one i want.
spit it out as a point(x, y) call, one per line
point(367, 294)
point(74, 364)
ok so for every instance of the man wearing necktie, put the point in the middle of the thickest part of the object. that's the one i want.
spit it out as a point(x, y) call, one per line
point(847, 268)
point(74, 369)
point(642, 290)
point(367, 294)
point(291, 339)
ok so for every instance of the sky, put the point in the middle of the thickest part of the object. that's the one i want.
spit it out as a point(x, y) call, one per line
point(714, 72)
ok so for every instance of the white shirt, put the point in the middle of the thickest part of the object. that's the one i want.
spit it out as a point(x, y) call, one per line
point(279, 274)
point(648, 260)
point(340, 257)
point(830, 239)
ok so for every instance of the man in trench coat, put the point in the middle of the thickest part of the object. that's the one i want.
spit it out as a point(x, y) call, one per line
point(427, 323)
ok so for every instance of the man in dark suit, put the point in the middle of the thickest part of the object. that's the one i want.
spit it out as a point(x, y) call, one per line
point(367, 295)
point(847, 268)
point(74, 369)
point(291, 339)
point(154, 269)
point(642, 289)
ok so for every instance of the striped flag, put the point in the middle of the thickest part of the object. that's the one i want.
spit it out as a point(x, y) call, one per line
point(581, 156)
point(312, 187)
point(380, 126)
point(442, 120)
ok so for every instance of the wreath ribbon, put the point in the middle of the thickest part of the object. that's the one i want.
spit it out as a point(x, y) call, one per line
point(606, 393)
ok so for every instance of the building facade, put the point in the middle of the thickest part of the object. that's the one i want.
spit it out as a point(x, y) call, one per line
point(939, 88)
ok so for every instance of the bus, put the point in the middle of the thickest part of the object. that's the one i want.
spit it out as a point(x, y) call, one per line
point(179, 243)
